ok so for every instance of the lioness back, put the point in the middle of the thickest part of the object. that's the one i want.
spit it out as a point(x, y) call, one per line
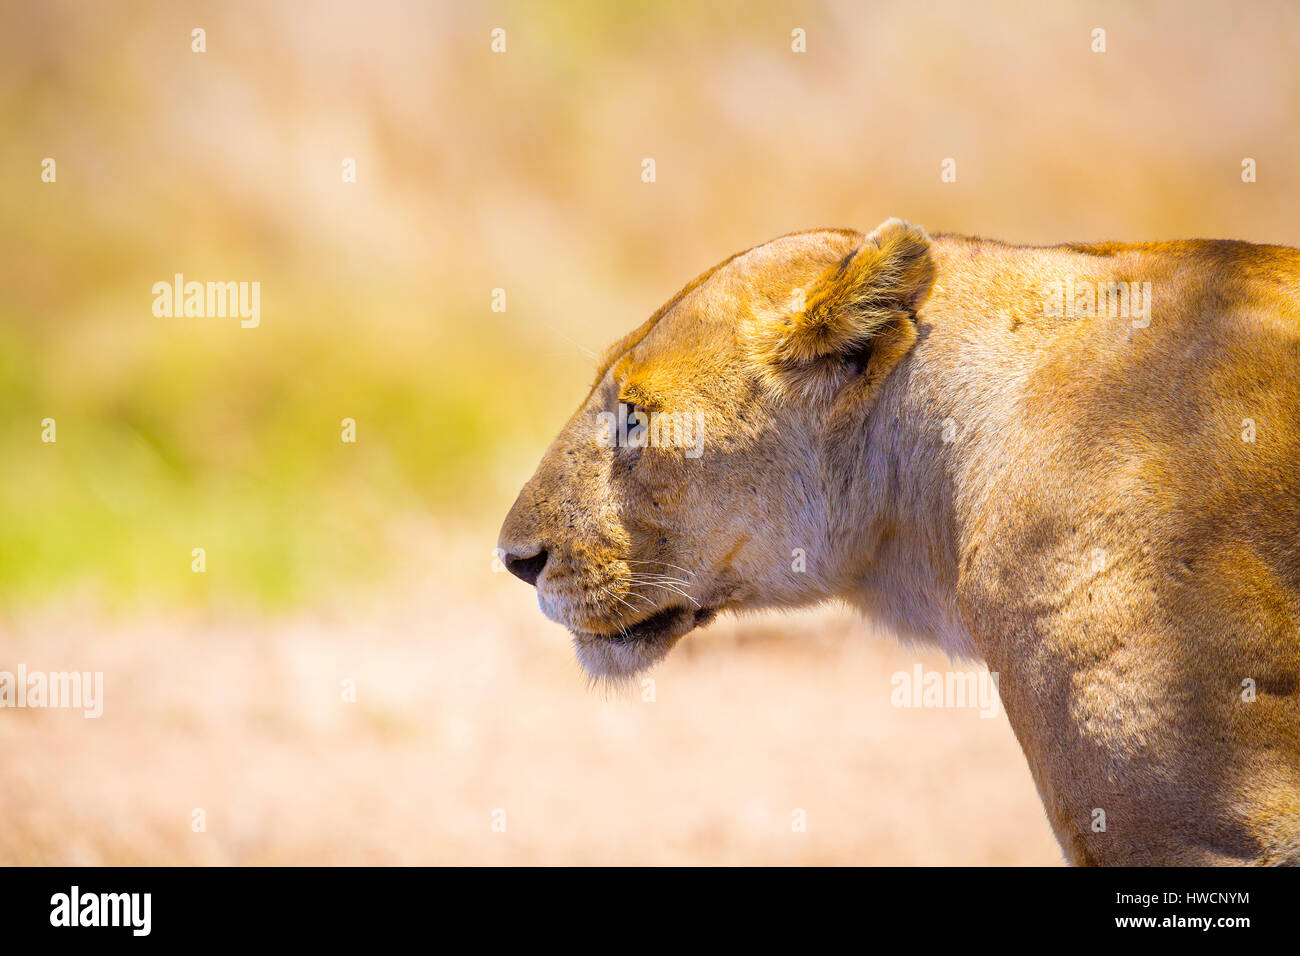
point(1136, 573)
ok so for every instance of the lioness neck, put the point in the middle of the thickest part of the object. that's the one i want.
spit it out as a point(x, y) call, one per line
point(931, 447)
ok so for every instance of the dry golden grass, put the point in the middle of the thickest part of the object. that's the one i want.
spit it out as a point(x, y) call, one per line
point(468, 701)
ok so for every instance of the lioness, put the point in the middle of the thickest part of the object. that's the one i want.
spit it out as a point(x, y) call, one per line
point(1079, 464)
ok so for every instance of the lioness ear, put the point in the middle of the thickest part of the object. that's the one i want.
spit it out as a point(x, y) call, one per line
point(849, 307)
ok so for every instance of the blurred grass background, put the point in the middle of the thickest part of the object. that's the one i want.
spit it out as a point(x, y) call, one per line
point(369, 563)
point(518, 171)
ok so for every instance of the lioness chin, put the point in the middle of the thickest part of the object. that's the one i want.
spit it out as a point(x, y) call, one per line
point(1079, 464)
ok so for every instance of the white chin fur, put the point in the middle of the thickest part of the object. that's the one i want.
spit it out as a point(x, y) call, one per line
point(605, 660)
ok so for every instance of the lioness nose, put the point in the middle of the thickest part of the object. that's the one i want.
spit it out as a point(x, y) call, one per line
point(526, 569)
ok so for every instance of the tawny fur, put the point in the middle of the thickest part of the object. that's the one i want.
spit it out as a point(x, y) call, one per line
point(1072, 499)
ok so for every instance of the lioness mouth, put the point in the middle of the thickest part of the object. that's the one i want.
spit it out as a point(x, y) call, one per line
point(673, 621)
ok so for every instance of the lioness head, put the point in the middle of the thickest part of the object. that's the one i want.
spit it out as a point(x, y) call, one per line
point(699, 474)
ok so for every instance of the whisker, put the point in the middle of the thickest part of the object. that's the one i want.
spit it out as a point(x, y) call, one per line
point(626, 592)
point(675, 590)
point(656, 579)
point(630, 607)
point(678, 567)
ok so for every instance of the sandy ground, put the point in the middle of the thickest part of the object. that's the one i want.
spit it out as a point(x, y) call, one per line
point(470, 710)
